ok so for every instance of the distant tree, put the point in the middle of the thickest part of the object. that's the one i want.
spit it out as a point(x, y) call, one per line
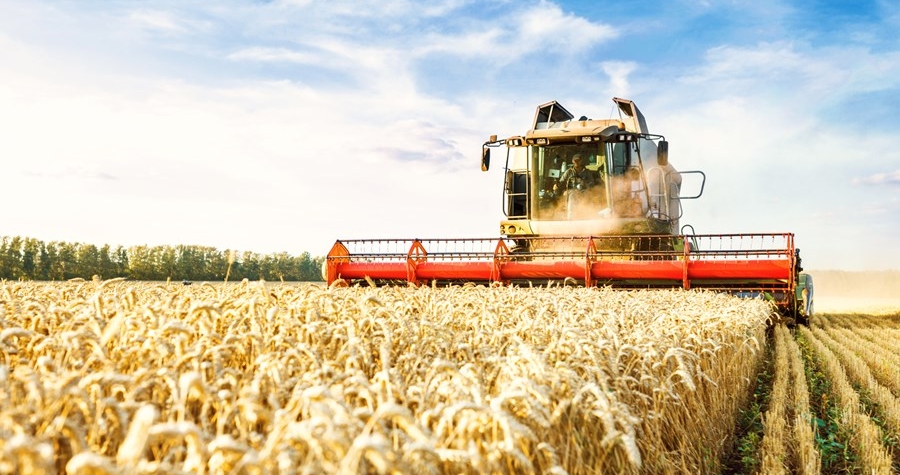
point(167, 265)
point(68, 261)
point(107, 268)
point(87, 261)
point(11, 258)
point(217, 264)
point(50, 267)
point(30, 251)
point(249, 266)
point(185, 265)
point(140, 260)
point(309, 268)
point(29, 258)
point(123, 268)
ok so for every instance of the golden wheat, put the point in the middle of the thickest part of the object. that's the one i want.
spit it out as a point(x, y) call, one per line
point(120, 377)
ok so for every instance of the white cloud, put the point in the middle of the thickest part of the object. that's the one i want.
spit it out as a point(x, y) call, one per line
point(889, 178)
point(547, 25)
point(410, 9)
point(540, 28)
point(155, 20)
point(618, 72)
point(165, 22)
point(798, 70)
point(273, 55)
point(259, 165)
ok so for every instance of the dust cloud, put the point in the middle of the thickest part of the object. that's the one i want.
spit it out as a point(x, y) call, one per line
point(628, 201)
point(868, 292)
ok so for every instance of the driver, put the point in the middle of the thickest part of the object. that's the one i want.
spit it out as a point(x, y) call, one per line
point(577, 180)
point(577, 177)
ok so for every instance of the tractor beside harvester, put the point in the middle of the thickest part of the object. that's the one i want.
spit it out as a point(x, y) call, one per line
point(595, 203)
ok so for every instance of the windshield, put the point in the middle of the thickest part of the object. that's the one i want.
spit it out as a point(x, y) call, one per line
point(569, 171)
point(588, 180)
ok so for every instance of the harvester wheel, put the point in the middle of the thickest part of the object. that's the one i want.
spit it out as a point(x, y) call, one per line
point(796, 317)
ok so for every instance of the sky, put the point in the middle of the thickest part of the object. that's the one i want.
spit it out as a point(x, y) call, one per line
point(284, 125)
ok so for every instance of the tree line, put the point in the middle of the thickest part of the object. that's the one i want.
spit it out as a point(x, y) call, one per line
point(23, 258)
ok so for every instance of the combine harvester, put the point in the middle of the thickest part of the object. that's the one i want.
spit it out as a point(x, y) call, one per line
point(592, 202)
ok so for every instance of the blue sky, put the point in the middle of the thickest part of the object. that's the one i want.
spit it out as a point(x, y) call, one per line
point(284, 125)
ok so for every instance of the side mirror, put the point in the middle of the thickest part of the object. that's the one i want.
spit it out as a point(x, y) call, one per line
point(485, 159)
point(662, 152)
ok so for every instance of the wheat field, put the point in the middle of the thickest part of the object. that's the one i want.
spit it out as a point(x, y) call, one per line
point(117, 377)
point(121, 377)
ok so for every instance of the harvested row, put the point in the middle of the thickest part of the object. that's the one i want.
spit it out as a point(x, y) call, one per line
point(773, 452)
point(116, 377)
point(887, 341)
point(859, 373)
point(875, 338)
point(882, 323)
point(880, 359)
point(788, 444)
point(807, 456)
point(890, 338)
point(866, 443)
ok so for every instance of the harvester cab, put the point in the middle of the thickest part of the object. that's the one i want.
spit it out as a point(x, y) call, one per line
point(569, 177)
point(591, 202)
